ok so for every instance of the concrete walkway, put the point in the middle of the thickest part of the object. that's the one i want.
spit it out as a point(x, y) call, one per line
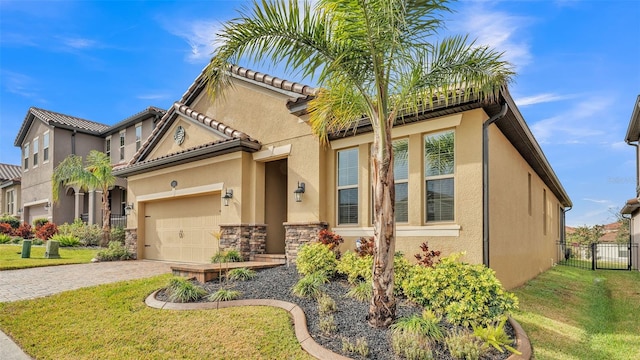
point(39, 282)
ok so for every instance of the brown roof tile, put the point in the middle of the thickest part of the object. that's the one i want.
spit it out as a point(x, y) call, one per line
point(10, 172)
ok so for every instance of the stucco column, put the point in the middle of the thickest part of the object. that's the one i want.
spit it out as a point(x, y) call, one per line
point(79, 197)
point(92, 207)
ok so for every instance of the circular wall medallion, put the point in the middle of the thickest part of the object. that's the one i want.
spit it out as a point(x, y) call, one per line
point(178, 137)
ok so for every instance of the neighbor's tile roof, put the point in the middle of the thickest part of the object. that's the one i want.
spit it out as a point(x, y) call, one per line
point(60, 120)
point(10, 172)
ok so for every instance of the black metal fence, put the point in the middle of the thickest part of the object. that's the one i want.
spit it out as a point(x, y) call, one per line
point(117, 220)
point(610, 256)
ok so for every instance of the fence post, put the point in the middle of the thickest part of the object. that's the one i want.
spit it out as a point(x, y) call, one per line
point(593, 255)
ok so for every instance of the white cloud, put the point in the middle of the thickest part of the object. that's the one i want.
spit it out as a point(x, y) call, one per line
point(200, 35)
point(541, 98)
point(597, 201)
point(21, 85)
point(152, 96)
point(498, 29)
point(79, 43)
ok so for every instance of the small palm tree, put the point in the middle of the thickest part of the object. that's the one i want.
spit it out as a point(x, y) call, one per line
point(374, 60)
point(96, 174)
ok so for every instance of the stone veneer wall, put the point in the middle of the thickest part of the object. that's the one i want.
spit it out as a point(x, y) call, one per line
point(248, 239)
point(298, 234)
point(131, 241)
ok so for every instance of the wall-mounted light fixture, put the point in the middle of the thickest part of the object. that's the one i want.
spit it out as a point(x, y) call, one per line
point(128, 208)
point(20, 211)
point(299, 191)
point(228, 194)
point(47, 206)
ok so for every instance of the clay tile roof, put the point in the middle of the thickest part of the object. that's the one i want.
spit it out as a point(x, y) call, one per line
point(10, 172)
point(273, 81)
point(62, 119)
point(207, 121)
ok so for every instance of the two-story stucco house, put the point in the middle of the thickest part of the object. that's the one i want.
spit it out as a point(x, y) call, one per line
point(469, 177)
point(46, 138)
point(632, 207)
point(10, 189)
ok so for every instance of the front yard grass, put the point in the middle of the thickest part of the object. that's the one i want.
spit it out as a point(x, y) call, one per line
point(112, 322)
point(10, 257)
point(572, 313)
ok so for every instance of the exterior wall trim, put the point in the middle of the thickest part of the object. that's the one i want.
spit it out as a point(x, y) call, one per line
point(37, 202)
point(272, 153)
point(404, 231)
point(196, 190)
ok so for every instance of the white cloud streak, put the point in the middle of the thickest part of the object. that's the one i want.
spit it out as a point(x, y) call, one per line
point(540, 99)
point(200, 36)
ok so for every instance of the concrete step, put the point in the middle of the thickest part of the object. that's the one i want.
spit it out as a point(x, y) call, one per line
point(273, 258)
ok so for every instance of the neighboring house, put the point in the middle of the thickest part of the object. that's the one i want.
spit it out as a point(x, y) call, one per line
point(46, 138)
point(238, 165)
point(632, 207)
point(10, 189)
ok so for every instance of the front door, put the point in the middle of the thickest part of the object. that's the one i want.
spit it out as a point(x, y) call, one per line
point(275, 202)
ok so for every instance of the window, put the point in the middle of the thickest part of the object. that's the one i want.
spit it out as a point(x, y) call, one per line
point(45, 147)
point(25, 155)
point(35, 152)
point(138, 136)
point(401, 176)
point(439, 165)
point(122, 145)
point(11, 202)
point(107, 146)
point(348, 186)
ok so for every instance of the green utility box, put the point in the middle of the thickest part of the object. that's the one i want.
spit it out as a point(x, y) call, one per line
point(26, 249)
point(52, 250)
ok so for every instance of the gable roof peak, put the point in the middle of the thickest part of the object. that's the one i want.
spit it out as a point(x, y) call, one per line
point(272, 81)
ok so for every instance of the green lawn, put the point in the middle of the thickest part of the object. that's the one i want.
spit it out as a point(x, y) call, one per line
point(112, 322)
point(572, 313)
point(10, 257)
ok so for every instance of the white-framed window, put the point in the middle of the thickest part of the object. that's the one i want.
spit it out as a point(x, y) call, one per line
point(107, 146)
point(138, 136)
point(122, 133)
point(401, 176)
point(45, 147)
point(11, 202)
point(348, 186)
point(25, 156)
point(439, 176)
point(35, 152)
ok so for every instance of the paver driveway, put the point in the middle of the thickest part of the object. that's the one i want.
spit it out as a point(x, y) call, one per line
point(38, 282)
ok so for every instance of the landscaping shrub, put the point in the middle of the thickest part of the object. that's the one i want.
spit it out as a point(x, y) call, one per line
point(316, 257)
point(241, 274)
point(39, 222)
point(361, 292)
point(66, 240)
point(328, 325)
point(13, 221)
point(227, 256)
point(365, 247)
point(182, 290)
point(115, 251)
point(428, 257)
point(118, 234)
point(89, 235)
point(35, 241)
point(466, 294)
point(496, 336)
point(331, 240)
point(326, 305)
point(360, 347)
point(6, 229)
point(5, 239)
point(401, 270)
point(463, 345)
point(310, 286)
point(24, 231)
point(17, 240)
point(224, 295)
point(46, 231)
point(356, 268)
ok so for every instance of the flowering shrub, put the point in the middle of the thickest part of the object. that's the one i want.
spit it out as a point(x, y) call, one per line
point(46, 231)
point(24, 231)
point(428, 256)
point(364, 246)
point(466, 294)
point(331, 240)
point(5, 229)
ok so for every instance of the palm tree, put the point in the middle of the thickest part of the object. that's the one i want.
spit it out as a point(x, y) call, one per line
point(95, 175)
point(373, 60)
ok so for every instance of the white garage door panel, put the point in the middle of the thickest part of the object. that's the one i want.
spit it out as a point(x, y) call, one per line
point(180, 229)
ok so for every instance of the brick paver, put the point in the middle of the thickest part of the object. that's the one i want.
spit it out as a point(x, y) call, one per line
point(38, 282)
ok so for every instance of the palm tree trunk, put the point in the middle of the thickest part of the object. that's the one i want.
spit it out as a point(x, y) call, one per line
point(382, 308)
point(106, 219)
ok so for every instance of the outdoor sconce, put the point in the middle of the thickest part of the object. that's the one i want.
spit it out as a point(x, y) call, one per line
point(128, 208)
point(227, 195)
point(20, 211)
point(47, 206)
point(299, 191)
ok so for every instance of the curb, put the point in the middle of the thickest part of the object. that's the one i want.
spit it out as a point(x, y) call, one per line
point(300, 324)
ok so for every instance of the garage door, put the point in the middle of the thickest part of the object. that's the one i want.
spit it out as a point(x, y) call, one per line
point(180, 229)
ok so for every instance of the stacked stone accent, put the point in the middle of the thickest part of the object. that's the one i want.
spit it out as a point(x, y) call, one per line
point(131, 241)
point(298, 234)
point(248, 239)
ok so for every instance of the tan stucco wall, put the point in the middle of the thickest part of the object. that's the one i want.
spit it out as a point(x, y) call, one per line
point(521, 247)
point(465, 232)
point(195, 135)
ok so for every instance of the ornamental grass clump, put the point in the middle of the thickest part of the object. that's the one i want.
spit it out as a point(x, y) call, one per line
point(361, 291)
point(495, 335)
point(241, 274)
point(181, 290)
point(66, 240)
point(224, 295)
point(463, 345)
point(463, 293)
point(359, 347)
point(115, 251)
point(310, 286)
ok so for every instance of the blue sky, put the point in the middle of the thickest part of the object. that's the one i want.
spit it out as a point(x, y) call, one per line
point(578, 65)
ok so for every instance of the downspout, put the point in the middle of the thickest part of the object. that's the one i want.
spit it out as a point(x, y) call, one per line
point(635, 144)
point(485, 181)
point(73, 142)
point(563, 233)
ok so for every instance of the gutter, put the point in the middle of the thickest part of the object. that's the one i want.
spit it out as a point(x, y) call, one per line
point(485, 181)
point(635, 144)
